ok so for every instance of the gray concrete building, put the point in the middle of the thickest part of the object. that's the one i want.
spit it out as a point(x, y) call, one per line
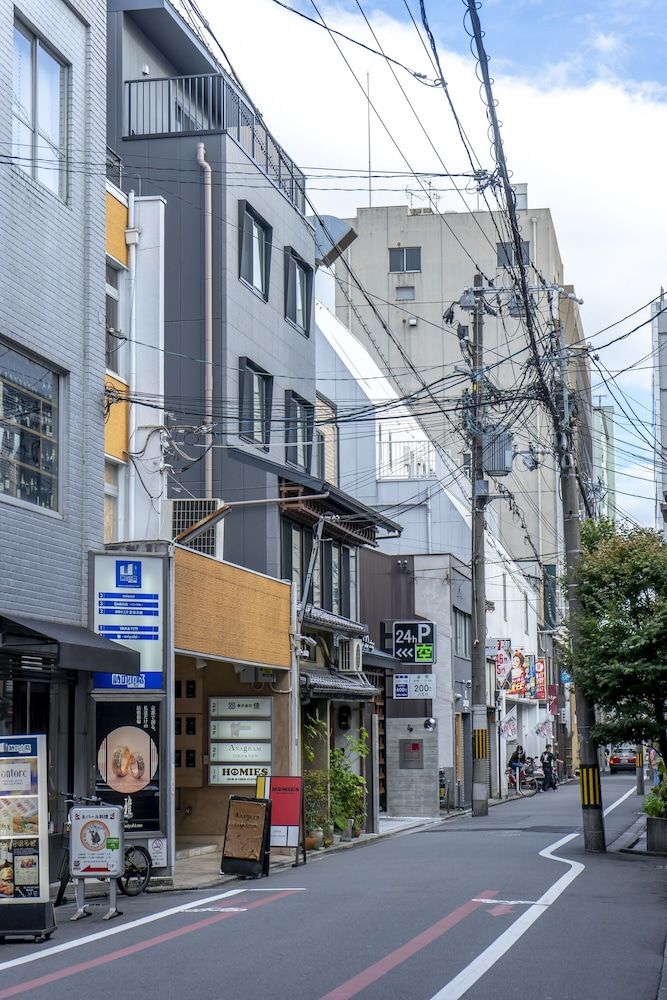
point(416, 264)
point(52, 131)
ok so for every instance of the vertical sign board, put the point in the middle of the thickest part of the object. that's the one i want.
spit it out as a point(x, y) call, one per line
point(96, 842)
point(286, 796)
point(128, 761)
point(129, 607)
point(240, 747)
point(24, 838)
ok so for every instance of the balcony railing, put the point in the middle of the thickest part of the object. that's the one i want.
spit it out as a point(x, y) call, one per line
point(188, 105)
point(405, 459)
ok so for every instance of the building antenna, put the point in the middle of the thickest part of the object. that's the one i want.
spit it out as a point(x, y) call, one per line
point(368, 120)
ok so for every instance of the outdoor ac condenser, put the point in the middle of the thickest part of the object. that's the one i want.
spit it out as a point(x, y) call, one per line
point(349, 656)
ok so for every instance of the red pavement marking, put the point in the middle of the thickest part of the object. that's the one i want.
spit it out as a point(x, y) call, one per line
point(374, 972)
point(72, 970)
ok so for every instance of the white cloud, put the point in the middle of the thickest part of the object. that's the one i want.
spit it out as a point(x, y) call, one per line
point(591, 153)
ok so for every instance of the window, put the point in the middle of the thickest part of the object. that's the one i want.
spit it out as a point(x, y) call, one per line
point(39, 111)
point(298, 430)
point(466, 463)
point(255, 396)
point(462, 623)
point(405, 293)
point(298, 281)
point(405, 259)
point(114, 338)
point(255, 250)
point(29, 398)
point(335, 575)
point(111, 503)
point(507, 255)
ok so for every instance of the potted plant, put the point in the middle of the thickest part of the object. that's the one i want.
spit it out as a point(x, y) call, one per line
point(315, 796)
point(655, 807)
point(348, 789)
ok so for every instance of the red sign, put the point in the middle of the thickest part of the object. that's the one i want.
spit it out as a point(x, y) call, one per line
point(540, 679)
point(285, 794)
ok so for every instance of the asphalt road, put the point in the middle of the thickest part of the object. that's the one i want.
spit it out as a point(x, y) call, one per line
point(466, 908)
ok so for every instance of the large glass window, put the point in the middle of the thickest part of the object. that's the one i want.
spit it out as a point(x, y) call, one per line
point(335, 576)
point(299, 418)
point(297, 291)
point(255, 393)
point(28, 429)
point(506, 255)
point(255, 250)
point(114, 337)
point(39, 111)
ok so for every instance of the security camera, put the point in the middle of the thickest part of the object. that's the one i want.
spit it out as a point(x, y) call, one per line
point(429, 725)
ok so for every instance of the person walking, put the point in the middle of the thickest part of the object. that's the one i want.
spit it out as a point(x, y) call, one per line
point(547, 760)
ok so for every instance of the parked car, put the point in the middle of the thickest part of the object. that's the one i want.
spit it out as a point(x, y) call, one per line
point(622, 758)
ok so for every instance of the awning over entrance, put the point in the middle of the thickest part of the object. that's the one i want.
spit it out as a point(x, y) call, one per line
point(323, 683)
point(71, 647)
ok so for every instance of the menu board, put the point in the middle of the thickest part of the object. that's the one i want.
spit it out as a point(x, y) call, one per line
point(96, 841)
point(239, 739)
point(24, 874)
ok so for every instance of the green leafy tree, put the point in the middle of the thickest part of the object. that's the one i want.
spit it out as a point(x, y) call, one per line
point(621, 661)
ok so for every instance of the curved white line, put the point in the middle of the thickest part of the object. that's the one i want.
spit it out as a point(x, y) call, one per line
point(480, 965)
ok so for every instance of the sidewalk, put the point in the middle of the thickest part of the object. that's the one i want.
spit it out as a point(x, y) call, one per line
point(199, 867)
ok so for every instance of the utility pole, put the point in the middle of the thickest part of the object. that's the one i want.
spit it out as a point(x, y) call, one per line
point(480, 728)
point(589, 765)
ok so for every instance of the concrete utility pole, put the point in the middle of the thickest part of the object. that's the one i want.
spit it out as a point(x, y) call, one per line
point(589, 766)
point(480, 729)
point(639, 764)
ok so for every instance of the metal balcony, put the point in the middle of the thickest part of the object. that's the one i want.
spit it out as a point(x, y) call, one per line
point(209, 103)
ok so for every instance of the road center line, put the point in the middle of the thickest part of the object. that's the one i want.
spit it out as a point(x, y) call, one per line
point(480, 965)
point(374, 972)
point(132, 949)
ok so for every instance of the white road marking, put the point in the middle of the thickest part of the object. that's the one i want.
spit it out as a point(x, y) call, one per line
point(220, 909)
point(119, 929)
point(508, 902)
point(480, 965)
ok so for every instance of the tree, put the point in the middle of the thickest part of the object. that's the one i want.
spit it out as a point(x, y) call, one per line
point(622, 651)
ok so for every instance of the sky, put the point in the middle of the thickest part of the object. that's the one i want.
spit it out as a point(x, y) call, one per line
point(582, 97)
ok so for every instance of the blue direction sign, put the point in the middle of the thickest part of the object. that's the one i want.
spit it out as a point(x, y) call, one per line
point(414, 642)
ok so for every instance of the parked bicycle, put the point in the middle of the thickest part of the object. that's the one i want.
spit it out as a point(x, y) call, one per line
point(137, 872)
point(523, 783)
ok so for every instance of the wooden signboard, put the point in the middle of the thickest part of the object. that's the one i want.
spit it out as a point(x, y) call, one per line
point(246, 850)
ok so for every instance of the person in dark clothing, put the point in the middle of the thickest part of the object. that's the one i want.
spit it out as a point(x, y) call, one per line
point(547, 760)
point(517, 761)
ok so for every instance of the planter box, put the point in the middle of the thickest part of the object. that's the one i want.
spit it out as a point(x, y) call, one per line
point(656, 834)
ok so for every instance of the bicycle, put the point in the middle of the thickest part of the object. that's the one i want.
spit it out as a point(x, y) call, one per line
point(137, 871)
point(527, 784)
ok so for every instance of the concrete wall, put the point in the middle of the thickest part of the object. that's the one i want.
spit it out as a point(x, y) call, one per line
point(411, 792)
point(434, 348)
point(52, 305)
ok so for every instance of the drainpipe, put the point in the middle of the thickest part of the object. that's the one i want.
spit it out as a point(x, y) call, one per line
point(131, 240)
point(208, 317)
point(429, 522)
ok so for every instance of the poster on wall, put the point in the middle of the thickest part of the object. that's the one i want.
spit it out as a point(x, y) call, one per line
point(503, 655)
point(540, 679)
point(128, 771)
point(517, 684)
point(128, 607)
point(531, 679)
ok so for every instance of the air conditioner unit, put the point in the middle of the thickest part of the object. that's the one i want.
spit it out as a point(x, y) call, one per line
point(349, 656)
point(177, 515)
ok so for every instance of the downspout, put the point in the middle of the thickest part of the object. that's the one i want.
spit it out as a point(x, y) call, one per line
point(131, 240)
point(429, 522)
point(208, 318)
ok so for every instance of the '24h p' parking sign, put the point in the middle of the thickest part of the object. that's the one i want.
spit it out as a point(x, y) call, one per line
point(414, 642)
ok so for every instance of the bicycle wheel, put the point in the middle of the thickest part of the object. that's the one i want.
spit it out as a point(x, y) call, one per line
point(137, 874)
point(531, 787)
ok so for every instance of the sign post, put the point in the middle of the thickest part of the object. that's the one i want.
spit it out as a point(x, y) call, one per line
point(246, 851)
point(287, 812)
point(414, 642)
point(24, 839)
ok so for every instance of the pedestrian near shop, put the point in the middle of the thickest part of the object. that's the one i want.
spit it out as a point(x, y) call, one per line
point(547, 760)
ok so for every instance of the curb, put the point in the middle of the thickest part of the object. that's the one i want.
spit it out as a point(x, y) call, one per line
point(662, 985)
point(365, 840)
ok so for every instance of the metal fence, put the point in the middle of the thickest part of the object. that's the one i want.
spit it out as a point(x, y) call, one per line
point(209, 102)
